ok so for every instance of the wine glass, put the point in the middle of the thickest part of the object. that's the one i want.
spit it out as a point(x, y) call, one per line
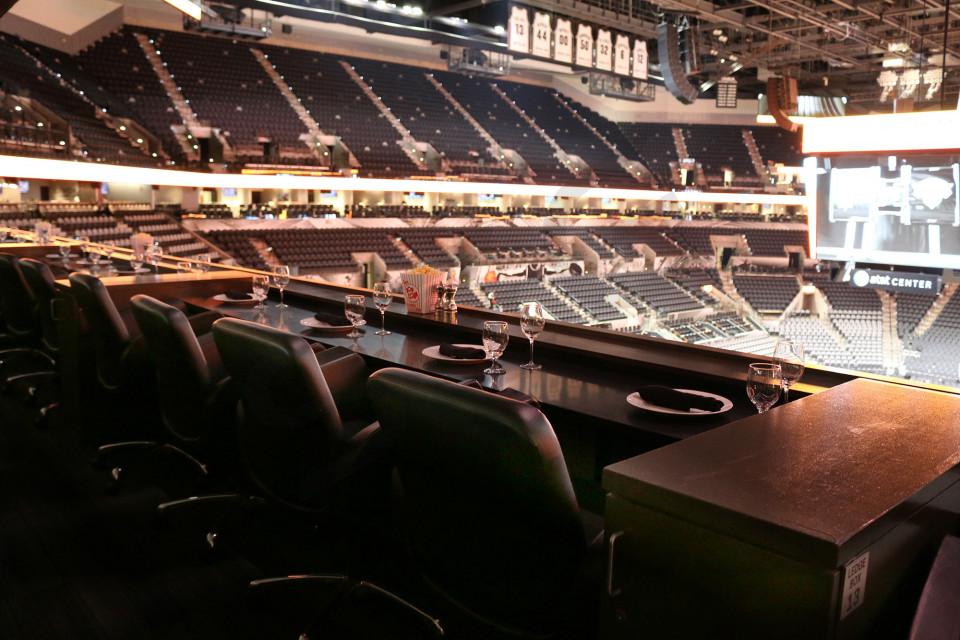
point(382, 299)
point(531, 324)
point(764, 383)
point(260, 286)
point(354, 307)
point(65, 252)
point(495, 337)
point(136, 261)
point(281, 278)
point(153, 256)
point(789, 355)
point(84, 247)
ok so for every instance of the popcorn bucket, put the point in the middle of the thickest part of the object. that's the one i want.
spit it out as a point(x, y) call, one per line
point(139, 242)
point(420, 289)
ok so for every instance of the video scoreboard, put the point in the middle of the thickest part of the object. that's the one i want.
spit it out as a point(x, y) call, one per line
point(540, 34)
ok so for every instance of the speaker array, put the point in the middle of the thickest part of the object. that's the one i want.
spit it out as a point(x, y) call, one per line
point(674, 75)
point(782, 97)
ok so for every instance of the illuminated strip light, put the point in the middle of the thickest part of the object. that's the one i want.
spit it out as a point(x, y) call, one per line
point(188, 7)
point(810, 173)
point(768, 119)
point(920, 131)
point(44, 169)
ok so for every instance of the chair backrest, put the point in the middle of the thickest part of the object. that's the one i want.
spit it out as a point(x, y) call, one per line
point(290, 428)
point(43, 286)
point(184, 381)
point(110, 335)
point(487, 506)
point(16, 299)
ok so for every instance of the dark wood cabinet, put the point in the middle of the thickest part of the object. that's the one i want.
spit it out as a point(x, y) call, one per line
point(818, 519)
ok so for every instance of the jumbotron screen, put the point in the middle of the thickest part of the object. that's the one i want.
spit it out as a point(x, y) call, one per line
point(897, 211)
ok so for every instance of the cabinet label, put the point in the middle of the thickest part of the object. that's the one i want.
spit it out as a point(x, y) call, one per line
point(854, 584)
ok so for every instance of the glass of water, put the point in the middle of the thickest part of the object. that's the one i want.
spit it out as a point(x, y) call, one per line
point(136, 261)
point(382, 299)
point(496, 335)
point(764, 383)
point(153, 256)
point(354, 307)
point(260, 286)
point(789, 355)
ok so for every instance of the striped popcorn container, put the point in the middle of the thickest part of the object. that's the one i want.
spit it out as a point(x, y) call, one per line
point(420, 289)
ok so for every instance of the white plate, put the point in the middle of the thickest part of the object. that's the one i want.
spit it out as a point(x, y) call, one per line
point(434, 354)
point(637, 401)
point(320, 325)
point(57, 256)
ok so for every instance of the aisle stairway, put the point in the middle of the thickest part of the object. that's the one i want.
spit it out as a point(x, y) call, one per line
point(587, 318)
point(622, 159)
point(680, 142)
point(496, 152)
point(743, 307)
point(558, 151)
point(189, 119)
point(408, 144)
point(892, 345)
point(755, 157)
point(312, 127)
point(936, 309)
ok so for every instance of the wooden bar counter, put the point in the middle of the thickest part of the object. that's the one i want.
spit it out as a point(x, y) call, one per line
point(818, 519)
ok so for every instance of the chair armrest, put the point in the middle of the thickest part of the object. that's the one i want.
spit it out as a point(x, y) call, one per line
point(346, 375)
point(202, 322)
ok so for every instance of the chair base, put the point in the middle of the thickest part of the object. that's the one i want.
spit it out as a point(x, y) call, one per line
point(104, 452)
point(350, 587)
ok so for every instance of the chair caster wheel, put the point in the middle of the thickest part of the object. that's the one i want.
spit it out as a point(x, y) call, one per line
point(212, 541)
point(116, 477)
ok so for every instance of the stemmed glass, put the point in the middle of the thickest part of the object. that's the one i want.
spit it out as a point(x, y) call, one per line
point(65, 252)
point(495, 338)
point(531, 324)
point(136, 261)
point(382, 299)
point(354, 307)
point(84, 247)
point(789, 355)
point(153, 257)
point(281, 278)
point(260, 287)
point(764, 383)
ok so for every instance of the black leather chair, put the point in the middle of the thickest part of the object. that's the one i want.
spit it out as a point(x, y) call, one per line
point(125, 376)
point(22, 328)
point(196, 400)
point(43, 287)
point(291, 436)
point(486, 509)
